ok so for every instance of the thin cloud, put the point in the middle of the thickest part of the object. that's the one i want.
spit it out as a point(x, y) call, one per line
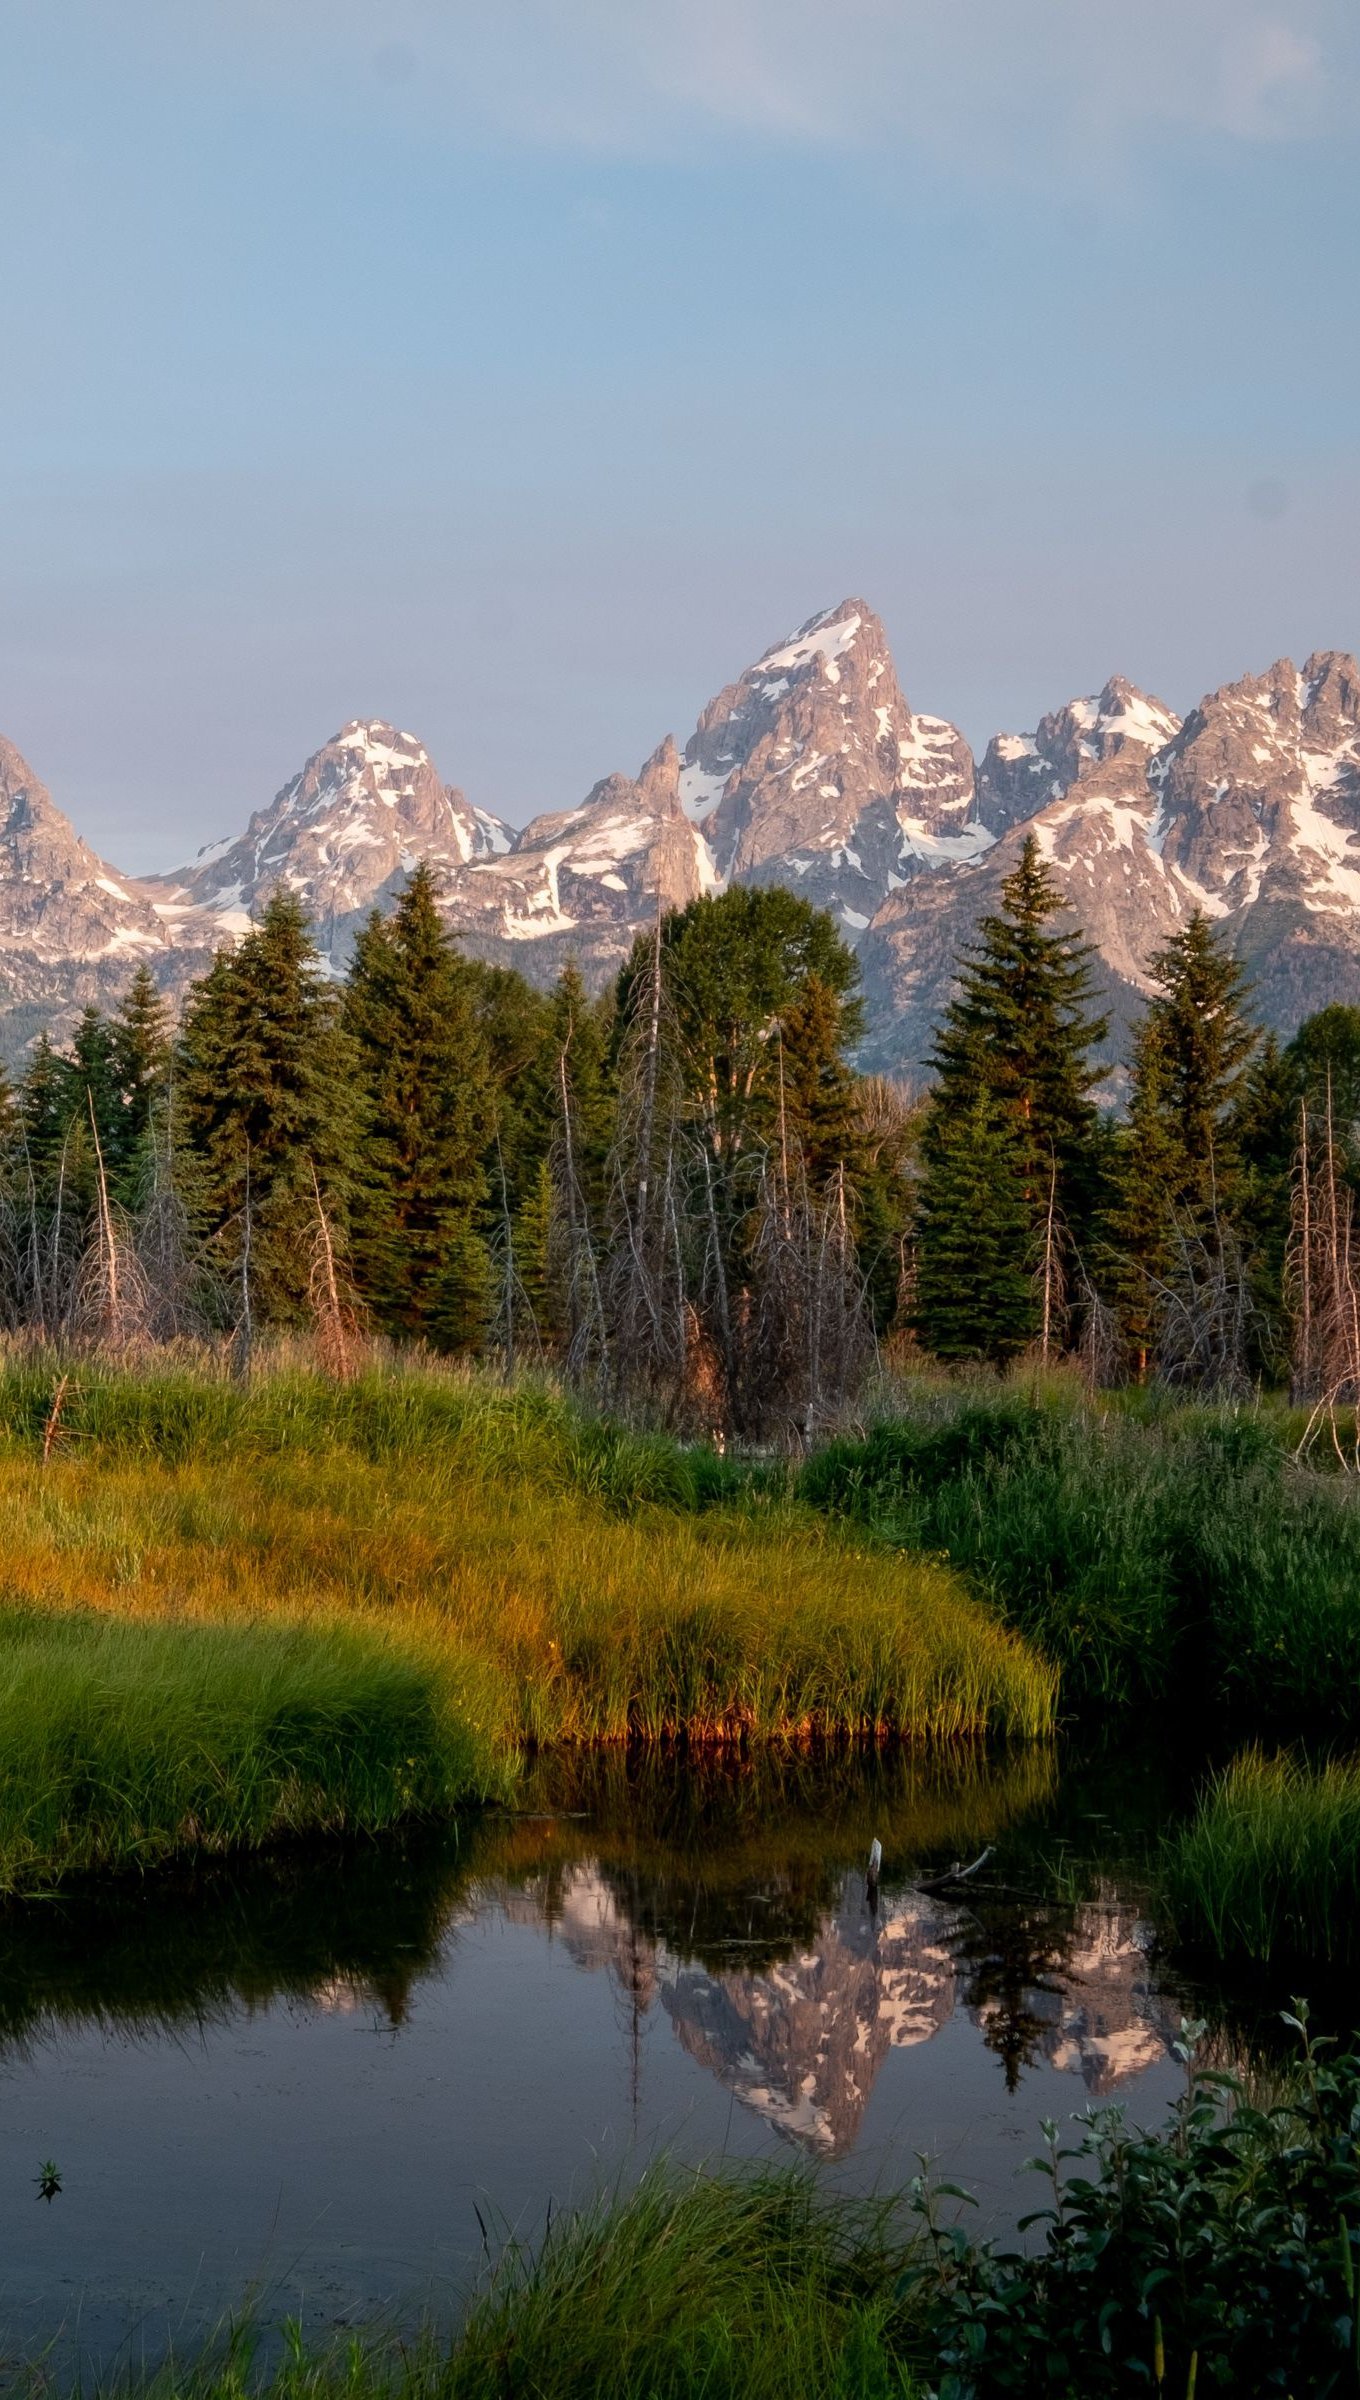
point(989, 87)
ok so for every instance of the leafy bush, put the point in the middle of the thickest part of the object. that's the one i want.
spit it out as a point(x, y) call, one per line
point(1220, 2257)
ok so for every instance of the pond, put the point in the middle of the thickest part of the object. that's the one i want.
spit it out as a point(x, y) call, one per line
point(316, 2084)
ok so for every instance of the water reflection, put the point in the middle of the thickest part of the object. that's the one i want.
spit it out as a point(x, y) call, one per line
point(718, 1898)
point(801, 2039)
point(308, 2075)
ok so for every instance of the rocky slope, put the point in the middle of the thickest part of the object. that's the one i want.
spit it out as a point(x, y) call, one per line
point(344, 833)
point(72, 930)
point(1250, 811)
point(812, 770)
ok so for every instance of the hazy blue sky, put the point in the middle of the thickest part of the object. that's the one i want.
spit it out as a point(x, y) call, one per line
point(519, 371)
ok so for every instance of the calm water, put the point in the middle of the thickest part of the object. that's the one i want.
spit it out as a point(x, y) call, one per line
point(298, 2084)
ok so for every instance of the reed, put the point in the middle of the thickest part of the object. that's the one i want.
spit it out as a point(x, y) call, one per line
point(1268, 1866)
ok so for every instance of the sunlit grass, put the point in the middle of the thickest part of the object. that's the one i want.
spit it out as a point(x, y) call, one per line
point(548, 1618)
point(530, 1570)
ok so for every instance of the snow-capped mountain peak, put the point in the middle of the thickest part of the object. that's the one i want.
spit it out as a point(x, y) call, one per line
point(344, 832)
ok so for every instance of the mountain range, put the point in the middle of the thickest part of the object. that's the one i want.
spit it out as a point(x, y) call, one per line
point(810, 770)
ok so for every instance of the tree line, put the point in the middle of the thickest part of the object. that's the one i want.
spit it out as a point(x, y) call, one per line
point(681, 1191)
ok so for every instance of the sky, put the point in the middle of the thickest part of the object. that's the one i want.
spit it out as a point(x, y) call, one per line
point(520, 371)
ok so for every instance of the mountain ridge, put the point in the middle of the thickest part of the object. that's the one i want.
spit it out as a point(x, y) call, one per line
point(811, 769)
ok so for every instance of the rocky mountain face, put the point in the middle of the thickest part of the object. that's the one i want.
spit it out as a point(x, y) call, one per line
point(345, 833)
point(811, 770)
point(1249, 810)
point(72, 930)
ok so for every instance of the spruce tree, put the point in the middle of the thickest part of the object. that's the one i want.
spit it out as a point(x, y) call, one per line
point(419, 1235)
point(1203, 1039)
point(269, 1096)
point(975, 1289)
point(139, 1055)
point(1017, 1036)
point(1021, 1027)
point(1181, 1183)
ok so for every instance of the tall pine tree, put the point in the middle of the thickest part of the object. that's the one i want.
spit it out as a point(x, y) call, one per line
point(269, 1094)
point(411, 1010)
point(1017, 1036)
point(1180, 1184)
point(975, 1287)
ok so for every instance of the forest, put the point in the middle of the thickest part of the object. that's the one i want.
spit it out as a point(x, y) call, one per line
point(680, 1193)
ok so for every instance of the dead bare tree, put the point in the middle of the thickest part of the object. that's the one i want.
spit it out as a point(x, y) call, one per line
point(1207, 1318)
point(334, 1302)
point(808, 1339)
point(1049, 1275)
point(111, 1300)
point(182, 1297)
point(1099, 1345)
point(643, 1282)
point(243, 1343)
point(1322, 1273)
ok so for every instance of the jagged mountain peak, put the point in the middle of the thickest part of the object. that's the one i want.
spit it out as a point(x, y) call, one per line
point(344, 832)
point(1021, 773)
point(72, 929)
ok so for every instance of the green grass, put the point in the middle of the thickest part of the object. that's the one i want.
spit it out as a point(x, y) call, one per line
point(1178, 1557)
point(122, 1745)
point(688, 2288)
point(184, 1553)
point(1268, 1866)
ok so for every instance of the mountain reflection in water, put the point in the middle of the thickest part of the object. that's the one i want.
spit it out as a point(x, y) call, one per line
point(802, 2040)
point(723, 1900)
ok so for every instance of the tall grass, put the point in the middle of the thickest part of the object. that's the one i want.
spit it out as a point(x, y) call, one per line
point(1179, 1557)
point(687, 2288)
point(517, 1552)
point(1268, 1867)
point(228, 1614)
point(124, 1744)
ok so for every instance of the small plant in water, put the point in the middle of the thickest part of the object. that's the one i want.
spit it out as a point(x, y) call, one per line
point(48, 2179)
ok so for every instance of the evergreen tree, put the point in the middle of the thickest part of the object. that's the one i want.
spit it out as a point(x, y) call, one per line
point(514, 1020)
point(1020, 1027)
point(1015, 1037)
point(268, 1092)
point(140, 1050)
point(1203, 1040)
point(410, 1008)
point(1181, 1184)
point(975, 1293)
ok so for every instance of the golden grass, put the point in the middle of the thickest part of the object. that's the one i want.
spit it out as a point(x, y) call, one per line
point(550, 1618)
